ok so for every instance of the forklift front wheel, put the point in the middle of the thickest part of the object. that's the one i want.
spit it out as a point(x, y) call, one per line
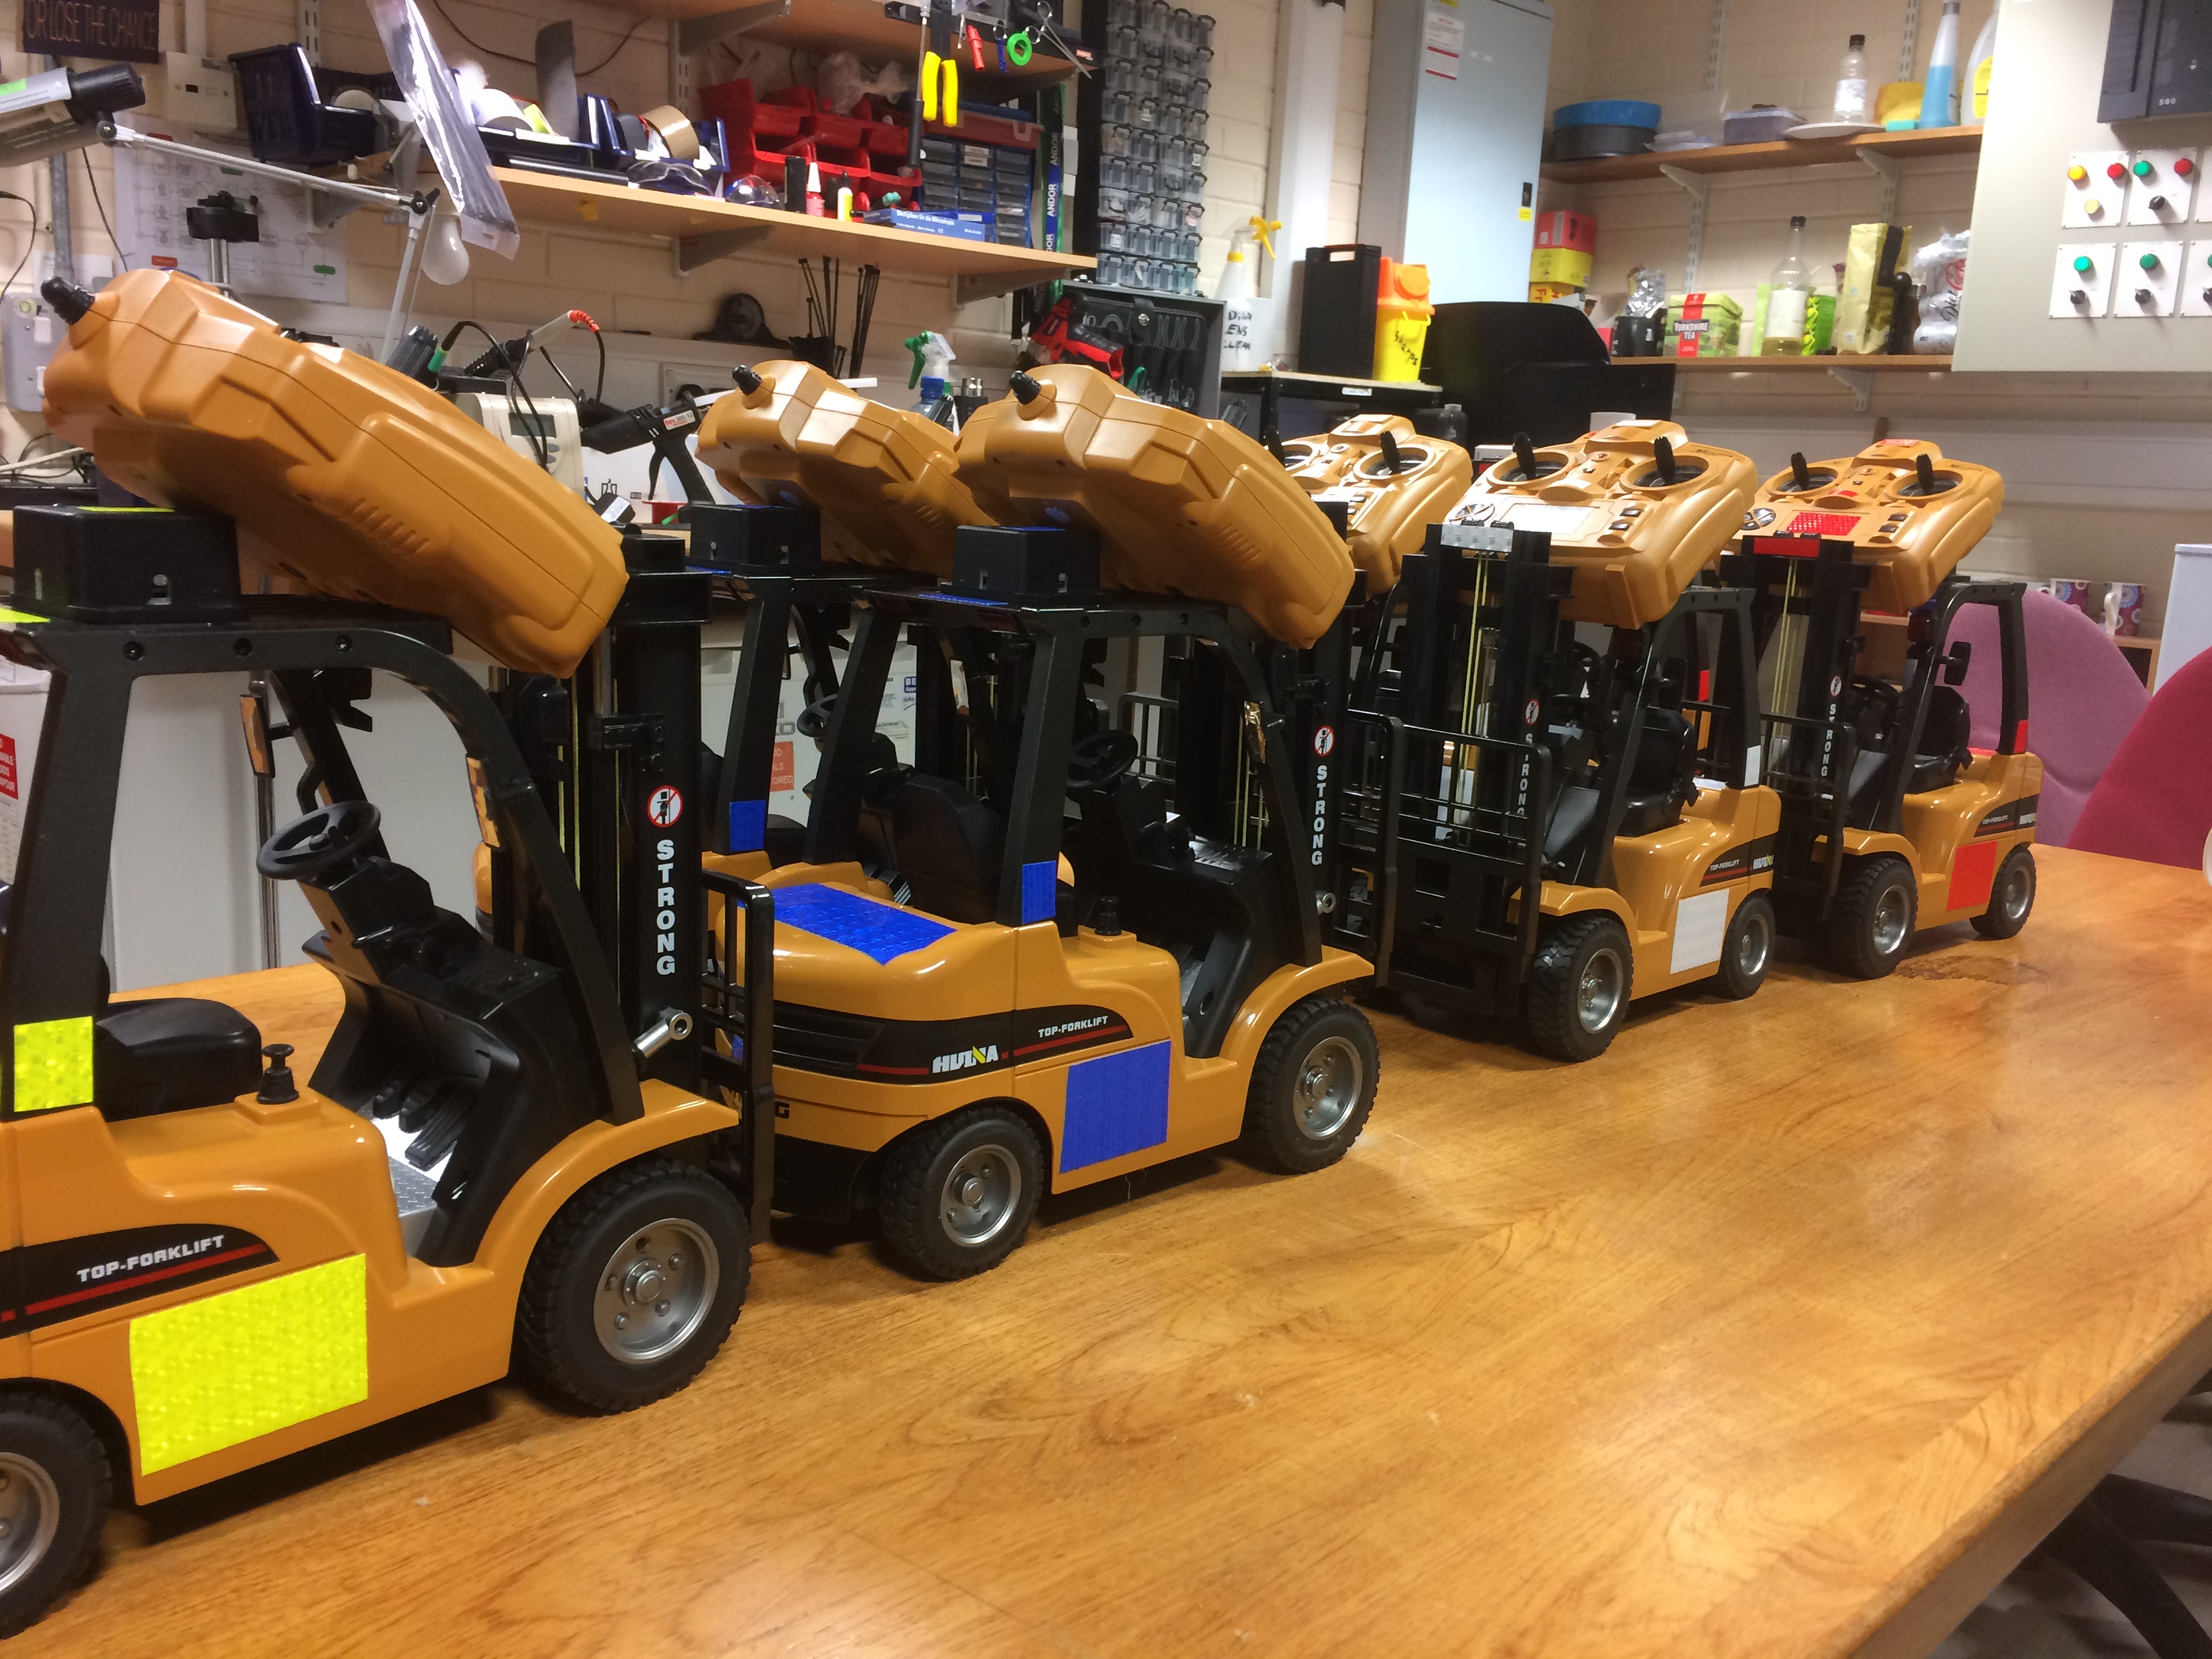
point(1872, 922)
point(2011, 898)
point(634, 1286)
point(956, 1194)
point(1748, 948)
point(1312, 1086)
point(1579, 986)
point(54, 1490)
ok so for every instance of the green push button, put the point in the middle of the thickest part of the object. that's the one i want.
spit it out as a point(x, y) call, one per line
point(2148, 262)
point(2084, 263)
point(2143, 169)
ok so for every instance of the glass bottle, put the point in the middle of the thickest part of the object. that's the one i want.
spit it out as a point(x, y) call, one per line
point(1789, 291)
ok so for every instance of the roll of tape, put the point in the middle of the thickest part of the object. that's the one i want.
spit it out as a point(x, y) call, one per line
point(676, 132)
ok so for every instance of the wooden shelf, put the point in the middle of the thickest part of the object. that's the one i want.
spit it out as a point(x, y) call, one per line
point(1930, 365)
point(856, 25)
point(704, 229)
point(1880, 147)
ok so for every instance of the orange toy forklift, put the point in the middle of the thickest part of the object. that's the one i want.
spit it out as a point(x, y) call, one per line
point(1929, 831)
point(959, 1031)
point(509, 1152)
point(1542, 827)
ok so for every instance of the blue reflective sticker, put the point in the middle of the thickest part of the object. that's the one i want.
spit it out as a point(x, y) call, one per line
point(748, 825)
point(1040, 890)
point(868, 926)
point(1116, 1104)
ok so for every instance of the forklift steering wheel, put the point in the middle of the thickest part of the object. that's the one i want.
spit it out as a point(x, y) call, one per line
point(814, 719)
point(315, 845)
point(1101, 760)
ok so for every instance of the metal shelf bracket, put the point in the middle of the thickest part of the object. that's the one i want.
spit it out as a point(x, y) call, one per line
point(697, 33)
point(1697, 185)
point(1888, 169)
point(971, 286)
point(693, 251)
point(1860, 381)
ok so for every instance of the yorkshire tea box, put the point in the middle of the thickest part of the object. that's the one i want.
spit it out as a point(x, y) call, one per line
point(1703, 325)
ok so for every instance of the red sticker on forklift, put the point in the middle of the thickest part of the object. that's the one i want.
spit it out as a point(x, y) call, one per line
point(8, 786)
point(664, 806)
point(1324, 744)
point(1823, 524)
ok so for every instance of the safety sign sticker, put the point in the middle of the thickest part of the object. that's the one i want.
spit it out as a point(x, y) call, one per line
point(664, 805)
point(1324, 741)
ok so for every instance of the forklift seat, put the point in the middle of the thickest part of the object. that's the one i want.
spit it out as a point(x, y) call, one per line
point(949, 846)
point(1936, 764)
point(171, 1054)
point(1659, 784)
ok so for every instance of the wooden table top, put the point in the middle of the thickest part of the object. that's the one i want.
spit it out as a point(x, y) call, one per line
point(1785, 1328)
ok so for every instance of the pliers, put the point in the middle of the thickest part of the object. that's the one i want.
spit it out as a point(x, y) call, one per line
point(941, 71)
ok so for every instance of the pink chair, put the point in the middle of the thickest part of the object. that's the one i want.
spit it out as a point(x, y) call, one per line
point(2155, 801)
point(2082, 699)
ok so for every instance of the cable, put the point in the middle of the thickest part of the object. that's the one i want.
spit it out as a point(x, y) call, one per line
point(513, 383)
point(92, 182)
point(30, 242)
point(494, 51)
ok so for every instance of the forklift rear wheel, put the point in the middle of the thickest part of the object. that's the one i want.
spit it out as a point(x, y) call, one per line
point(1579, 986)
point(956, 1194)
point(634, 1286)
point(2011, 898)
point(1312, 1086)
point(1748, 949)
point(54, 1490)
point(1872, 921)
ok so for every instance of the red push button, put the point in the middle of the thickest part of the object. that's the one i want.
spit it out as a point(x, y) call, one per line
point(2183, 167)
point(2117, 170)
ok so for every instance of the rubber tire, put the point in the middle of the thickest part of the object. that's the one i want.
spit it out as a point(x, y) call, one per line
point(555, 1343)
point(915, 1171)
point(1732, 981)
point(1272, 1134)
point(54, 1435)
point(1848, 941)
point(1993, 923)
point(1555, 977)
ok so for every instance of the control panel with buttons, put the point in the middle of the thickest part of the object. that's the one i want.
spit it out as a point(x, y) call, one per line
point(2081, 280)
point(2096, 189)
point(2147, 280)
point(2161, 186)
point(2196, 280)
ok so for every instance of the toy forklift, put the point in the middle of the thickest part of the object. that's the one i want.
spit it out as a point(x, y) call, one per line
point(1930, 831)
point(959, 1031)
point(1539, 827)
point(513, 1150)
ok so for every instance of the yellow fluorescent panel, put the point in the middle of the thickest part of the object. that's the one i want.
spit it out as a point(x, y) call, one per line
point(54, 1064)
point(246, 1363)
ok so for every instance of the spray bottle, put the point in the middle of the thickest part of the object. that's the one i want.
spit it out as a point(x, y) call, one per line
point(1240, 338)
point(933, 355)
point(1939, 93)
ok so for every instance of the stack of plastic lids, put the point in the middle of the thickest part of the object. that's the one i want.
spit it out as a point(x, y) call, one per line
point(884, 479)
point(1181, 505)
point(343, 476)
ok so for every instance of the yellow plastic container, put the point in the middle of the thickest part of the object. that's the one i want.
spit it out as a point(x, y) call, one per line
point(342, 475)
point(1401, 321)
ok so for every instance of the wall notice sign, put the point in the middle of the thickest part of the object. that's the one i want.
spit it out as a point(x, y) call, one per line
point(129, 30)
point(1443, 38)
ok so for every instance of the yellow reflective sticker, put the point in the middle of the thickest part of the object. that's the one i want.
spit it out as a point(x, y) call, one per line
point(54, 1064)
point(12, 618)
point(241, 1363)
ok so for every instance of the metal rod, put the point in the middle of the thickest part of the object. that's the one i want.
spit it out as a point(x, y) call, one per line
point(367, 195)
point(403, 297)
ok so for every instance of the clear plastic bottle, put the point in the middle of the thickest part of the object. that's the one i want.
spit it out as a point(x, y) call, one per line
point(1788, 296)
point(1851, 102)
point(1939, 93)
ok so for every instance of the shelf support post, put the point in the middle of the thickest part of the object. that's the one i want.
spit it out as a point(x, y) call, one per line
point(1860, 382)
point(1697, 185)
point(1888, 169)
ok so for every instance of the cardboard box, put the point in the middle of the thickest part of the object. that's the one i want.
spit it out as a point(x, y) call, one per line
point(1561, 264)
point(1576, 232)
point(1544, 294)
point(1703, 325)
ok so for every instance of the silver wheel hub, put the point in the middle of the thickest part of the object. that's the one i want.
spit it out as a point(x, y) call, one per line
point(1891, 914)
point(1328, 1088)
point(656, 1292)
point(1752, 947)
point(30, 1514)
point(2016, 889)
point(982, 1190)
point(1603, 986)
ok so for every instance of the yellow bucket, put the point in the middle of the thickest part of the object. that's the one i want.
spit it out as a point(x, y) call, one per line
point(1401, 321)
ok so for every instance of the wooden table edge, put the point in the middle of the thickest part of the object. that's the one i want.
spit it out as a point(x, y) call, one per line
point(2022, 1520)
